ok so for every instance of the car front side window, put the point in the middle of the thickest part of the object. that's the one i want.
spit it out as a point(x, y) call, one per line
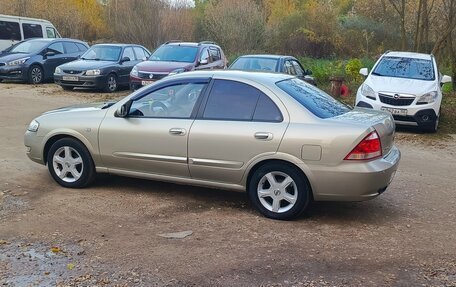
point(175, 101)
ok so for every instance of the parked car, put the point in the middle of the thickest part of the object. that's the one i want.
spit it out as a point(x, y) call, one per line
point(103, 66)
point(176, 57)
point(35, 60)
point(281, 139)
point(14, 29)
point(273, 63)
point(408, 85)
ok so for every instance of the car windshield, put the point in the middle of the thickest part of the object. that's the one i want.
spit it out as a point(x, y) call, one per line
point(102, 53)
point(410, 68)
point(313, 99)
point(175, 53)
point(29, 47)
point(254, 64)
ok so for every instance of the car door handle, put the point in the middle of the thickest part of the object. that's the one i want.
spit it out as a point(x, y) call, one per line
point(177, 132)
point(263, 136)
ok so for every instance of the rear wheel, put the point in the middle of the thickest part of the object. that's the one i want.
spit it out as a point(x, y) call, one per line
point(70, 164)
point(68, 88)
point(35, 75)
point(111, 84)
point(279, 191)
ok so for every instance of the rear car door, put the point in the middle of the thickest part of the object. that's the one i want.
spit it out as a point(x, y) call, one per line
point(239, 123)
point(216, 58)
point(153, 137)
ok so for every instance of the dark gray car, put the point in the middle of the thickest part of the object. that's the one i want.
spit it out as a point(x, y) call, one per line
point(103, 66)
point(35, 60)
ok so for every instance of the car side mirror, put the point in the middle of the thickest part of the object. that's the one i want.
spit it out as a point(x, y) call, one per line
point(446, 79)
point(124, 110)
point(49, 53)
point(144, 59)
point(307, 72)
point(125, 59)
point(204, 61)
point(364, 72)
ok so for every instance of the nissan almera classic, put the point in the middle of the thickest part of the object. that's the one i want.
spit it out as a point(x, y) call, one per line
point(282, 140)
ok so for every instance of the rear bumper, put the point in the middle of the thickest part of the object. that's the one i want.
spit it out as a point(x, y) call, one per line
point(92, 82)
point(15, 73)
point(355, 180)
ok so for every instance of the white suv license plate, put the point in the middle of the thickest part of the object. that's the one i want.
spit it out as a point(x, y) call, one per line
point(70, 78)
point(394, 111)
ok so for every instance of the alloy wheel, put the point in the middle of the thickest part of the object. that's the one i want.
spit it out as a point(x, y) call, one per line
point(67, 164)
point(36, 74)
point(277, 192)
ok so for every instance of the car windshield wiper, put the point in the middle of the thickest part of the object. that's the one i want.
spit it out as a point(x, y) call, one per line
point(376, 74)
point(107, 105)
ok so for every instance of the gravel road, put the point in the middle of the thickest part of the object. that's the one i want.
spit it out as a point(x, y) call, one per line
point(111, 234)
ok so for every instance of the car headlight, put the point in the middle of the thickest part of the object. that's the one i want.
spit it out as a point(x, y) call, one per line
point(33, 126)
point(18, 62)
point(177, 71)
point(58, 70)
point(427, 98)
point(134, 72)
point(92, 72)
point(368, 92)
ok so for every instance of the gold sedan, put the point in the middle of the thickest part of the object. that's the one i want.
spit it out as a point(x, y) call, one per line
point(284, 141)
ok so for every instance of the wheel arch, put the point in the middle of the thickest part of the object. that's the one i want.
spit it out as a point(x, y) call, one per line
point(53, 138)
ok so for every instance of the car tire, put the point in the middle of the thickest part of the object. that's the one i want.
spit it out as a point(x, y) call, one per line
point(70, 163)
point(111, 83)
point(67, 88)
point(279, 191)
point(35, 75)
point(432, 128)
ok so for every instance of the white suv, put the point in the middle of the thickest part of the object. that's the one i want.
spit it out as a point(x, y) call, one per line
point(408, 85)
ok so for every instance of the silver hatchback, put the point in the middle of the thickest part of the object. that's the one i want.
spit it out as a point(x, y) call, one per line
point(284, 141)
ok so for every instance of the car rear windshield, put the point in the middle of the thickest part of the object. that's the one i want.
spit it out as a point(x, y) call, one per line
point(29, 47)
point(313, 99)
point(254, 64)
point(102, 53)
point(175, 53)
point(410, 68)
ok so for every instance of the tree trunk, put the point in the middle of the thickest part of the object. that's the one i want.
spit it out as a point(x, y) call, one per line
point(418, 27)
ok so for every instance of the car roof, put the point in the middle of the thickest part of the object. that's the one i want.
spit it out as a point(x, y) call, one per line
point(116, 44)
point(269, 56)
point(237, 74)
point(53, 40)
point(409, 55)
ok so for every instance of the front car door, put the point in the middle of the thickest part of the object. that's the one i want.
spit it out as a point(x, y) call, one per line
point(239, 124)
point(153, 137)
point(125, 67)
point(54, 55)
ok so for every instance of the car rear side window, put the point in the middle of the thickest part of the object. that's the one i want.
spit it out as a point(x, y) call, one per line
point(32, 31)
point(10, 31)
point(81, 47)
point(140, 53)
point(313, 99)
point(231, 100)
point(128, 52)
point(70, 47)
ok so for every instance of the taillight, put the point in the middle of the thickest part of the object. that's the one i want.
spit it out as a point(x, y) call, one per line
point(369, 148)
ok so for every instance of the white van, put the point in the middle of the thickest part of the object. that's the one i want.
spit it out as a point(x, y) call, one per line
point(14, 29)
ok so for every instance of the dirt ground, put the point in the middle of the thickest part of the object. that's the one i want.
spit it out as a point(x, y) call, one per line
point(108, 234)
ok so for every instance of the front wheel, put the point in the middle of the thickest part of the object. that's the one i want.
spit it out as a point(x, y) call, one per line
point(70, 163)
point(279, 191)
point(432, 128)
point(111, 84)
point(36, 75)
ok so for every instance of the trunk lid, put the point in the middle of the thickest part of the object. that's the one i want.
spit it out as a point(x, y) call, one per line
point(381, 121)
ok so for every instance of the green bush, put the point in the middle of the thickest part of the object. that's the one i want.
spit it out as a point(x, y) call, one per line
point(447, 88)
point(352, 70)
